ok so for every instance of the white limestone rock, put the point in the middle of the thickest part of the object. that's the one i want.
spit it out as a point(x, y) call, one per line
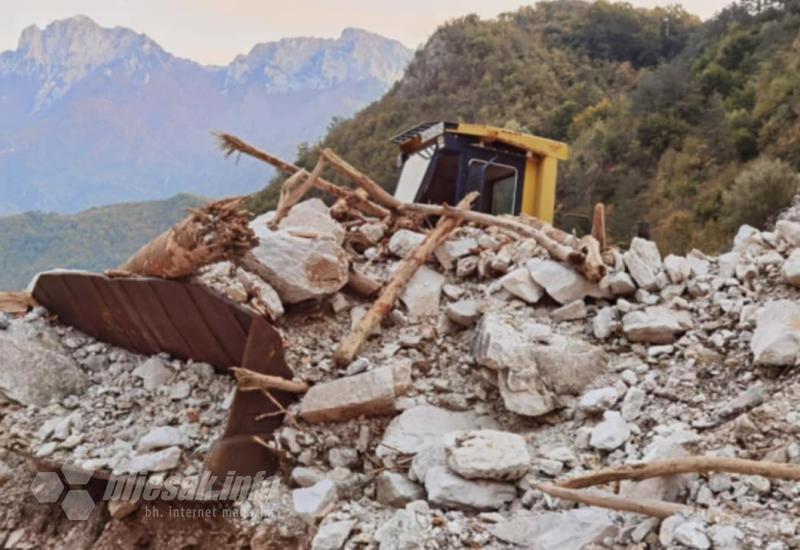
point(487, 454)
point(313, 503)
point(423, 425)
point(576, 528)
point(776, 340)
point(562, 283)
point(791, 268)
point(33, 372)
point(450, 490)
point(423, 292)
point(652, 325)
point(404, 242)
point(299, 267)
point(519, 283)
point(312, 216)
point(611, 433)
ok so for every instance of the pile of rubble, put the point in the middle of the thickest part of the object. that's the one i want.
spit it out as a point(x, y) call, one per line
point(499, 373)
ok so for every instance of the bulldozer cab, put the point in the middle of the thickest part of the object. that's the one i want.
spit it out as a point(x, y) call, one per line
point(514, 173)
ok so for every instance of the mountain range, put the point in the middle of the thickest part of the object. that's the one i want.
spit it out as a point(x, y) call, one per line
point(95, 115)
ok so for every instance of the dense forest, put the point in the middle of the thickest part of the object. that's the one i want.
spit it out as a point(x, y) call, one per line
point(693, 127)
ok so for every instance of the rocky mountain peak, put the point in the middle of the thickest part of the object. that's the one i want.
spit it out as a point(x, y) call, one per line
point(67, 50)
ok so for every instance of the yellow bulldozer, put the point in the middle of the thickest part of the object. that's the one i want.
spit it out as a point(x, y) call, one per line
point(515, 173)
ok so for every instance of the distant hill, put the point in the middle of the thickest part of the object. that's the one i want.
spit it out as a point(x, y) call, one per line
point(693, 127)
point(97, 239)
point(93, 115)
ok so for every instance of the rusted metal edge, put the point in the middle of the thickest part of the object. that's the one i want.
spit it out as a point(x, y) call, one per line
point(188, 321)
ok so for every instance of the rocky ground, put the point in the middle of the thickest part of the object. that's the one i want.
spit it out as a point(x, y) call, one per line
point(500, 369)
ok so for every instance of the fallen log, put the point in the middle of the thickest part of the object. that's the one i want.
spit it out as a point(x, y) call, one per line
point(391, 292)
point(685, 465)
point(231, 144)
point(16, 302)
point(249, 380)
point(215, 232)
point(648, 507)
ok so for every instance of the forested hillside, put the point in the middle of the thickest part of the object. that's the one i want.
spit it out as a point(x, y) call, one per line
point(693, 127)
point(97, 239)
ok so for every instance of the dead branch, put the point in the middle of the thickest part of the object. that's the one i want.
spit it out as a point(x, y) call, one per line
point(295, 195)
point(391, 292)
point(685, 465)
point(217, 231)
point(249, 380)
point(16, 302)
point(231, 144)
point(286, 190)
point(644, 506)
point(374, 190)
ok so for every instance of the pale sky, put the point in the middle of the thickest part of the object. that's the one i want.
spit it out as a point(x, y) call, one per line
point(215, 31)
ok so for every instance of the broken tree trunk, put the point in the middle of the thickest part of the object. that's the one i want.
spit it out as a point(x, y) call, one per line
point(685, 465)
point(215, 232)
point(16, 302)
point(295, 193)
point(231, 144)
point(391, 292)
point(599, 225)
point(644, 506)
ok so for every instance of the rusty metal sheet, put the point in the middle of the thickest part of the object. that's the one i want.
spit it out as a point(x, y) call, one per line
point(188, 321)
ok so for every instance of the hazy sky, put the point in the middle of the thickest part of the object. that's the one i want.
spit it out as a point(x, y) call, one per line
point(214, 31)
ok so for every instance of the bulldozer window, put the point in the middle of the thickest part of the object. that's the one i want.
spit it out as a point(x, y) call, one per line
point(499, 188)
point(441, 187)
point(412, 175)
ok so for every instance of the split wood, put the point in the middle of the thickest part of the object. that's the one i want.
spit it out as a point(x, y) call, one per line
point(16, 302)
point(391, 292)
point(215, 232)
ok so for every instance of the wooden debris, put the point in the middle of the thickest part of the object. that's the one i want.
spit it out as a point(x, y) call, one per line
point(647, 507)
point(685, 465)
point(391, 292)
point(215, 232)
point(361, 284)
point(16, 302)
point(599, 225)
point(231, 144)
point(249, 380)
point(378, 193)
point(291, 194)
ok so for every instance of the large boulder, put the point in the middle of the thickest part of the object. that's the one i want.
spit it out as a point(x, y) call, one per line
point(534, 366)
point(562, 283)
point(776, 340)
point(791, 268)
point(34, 370)
point(301, 263)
